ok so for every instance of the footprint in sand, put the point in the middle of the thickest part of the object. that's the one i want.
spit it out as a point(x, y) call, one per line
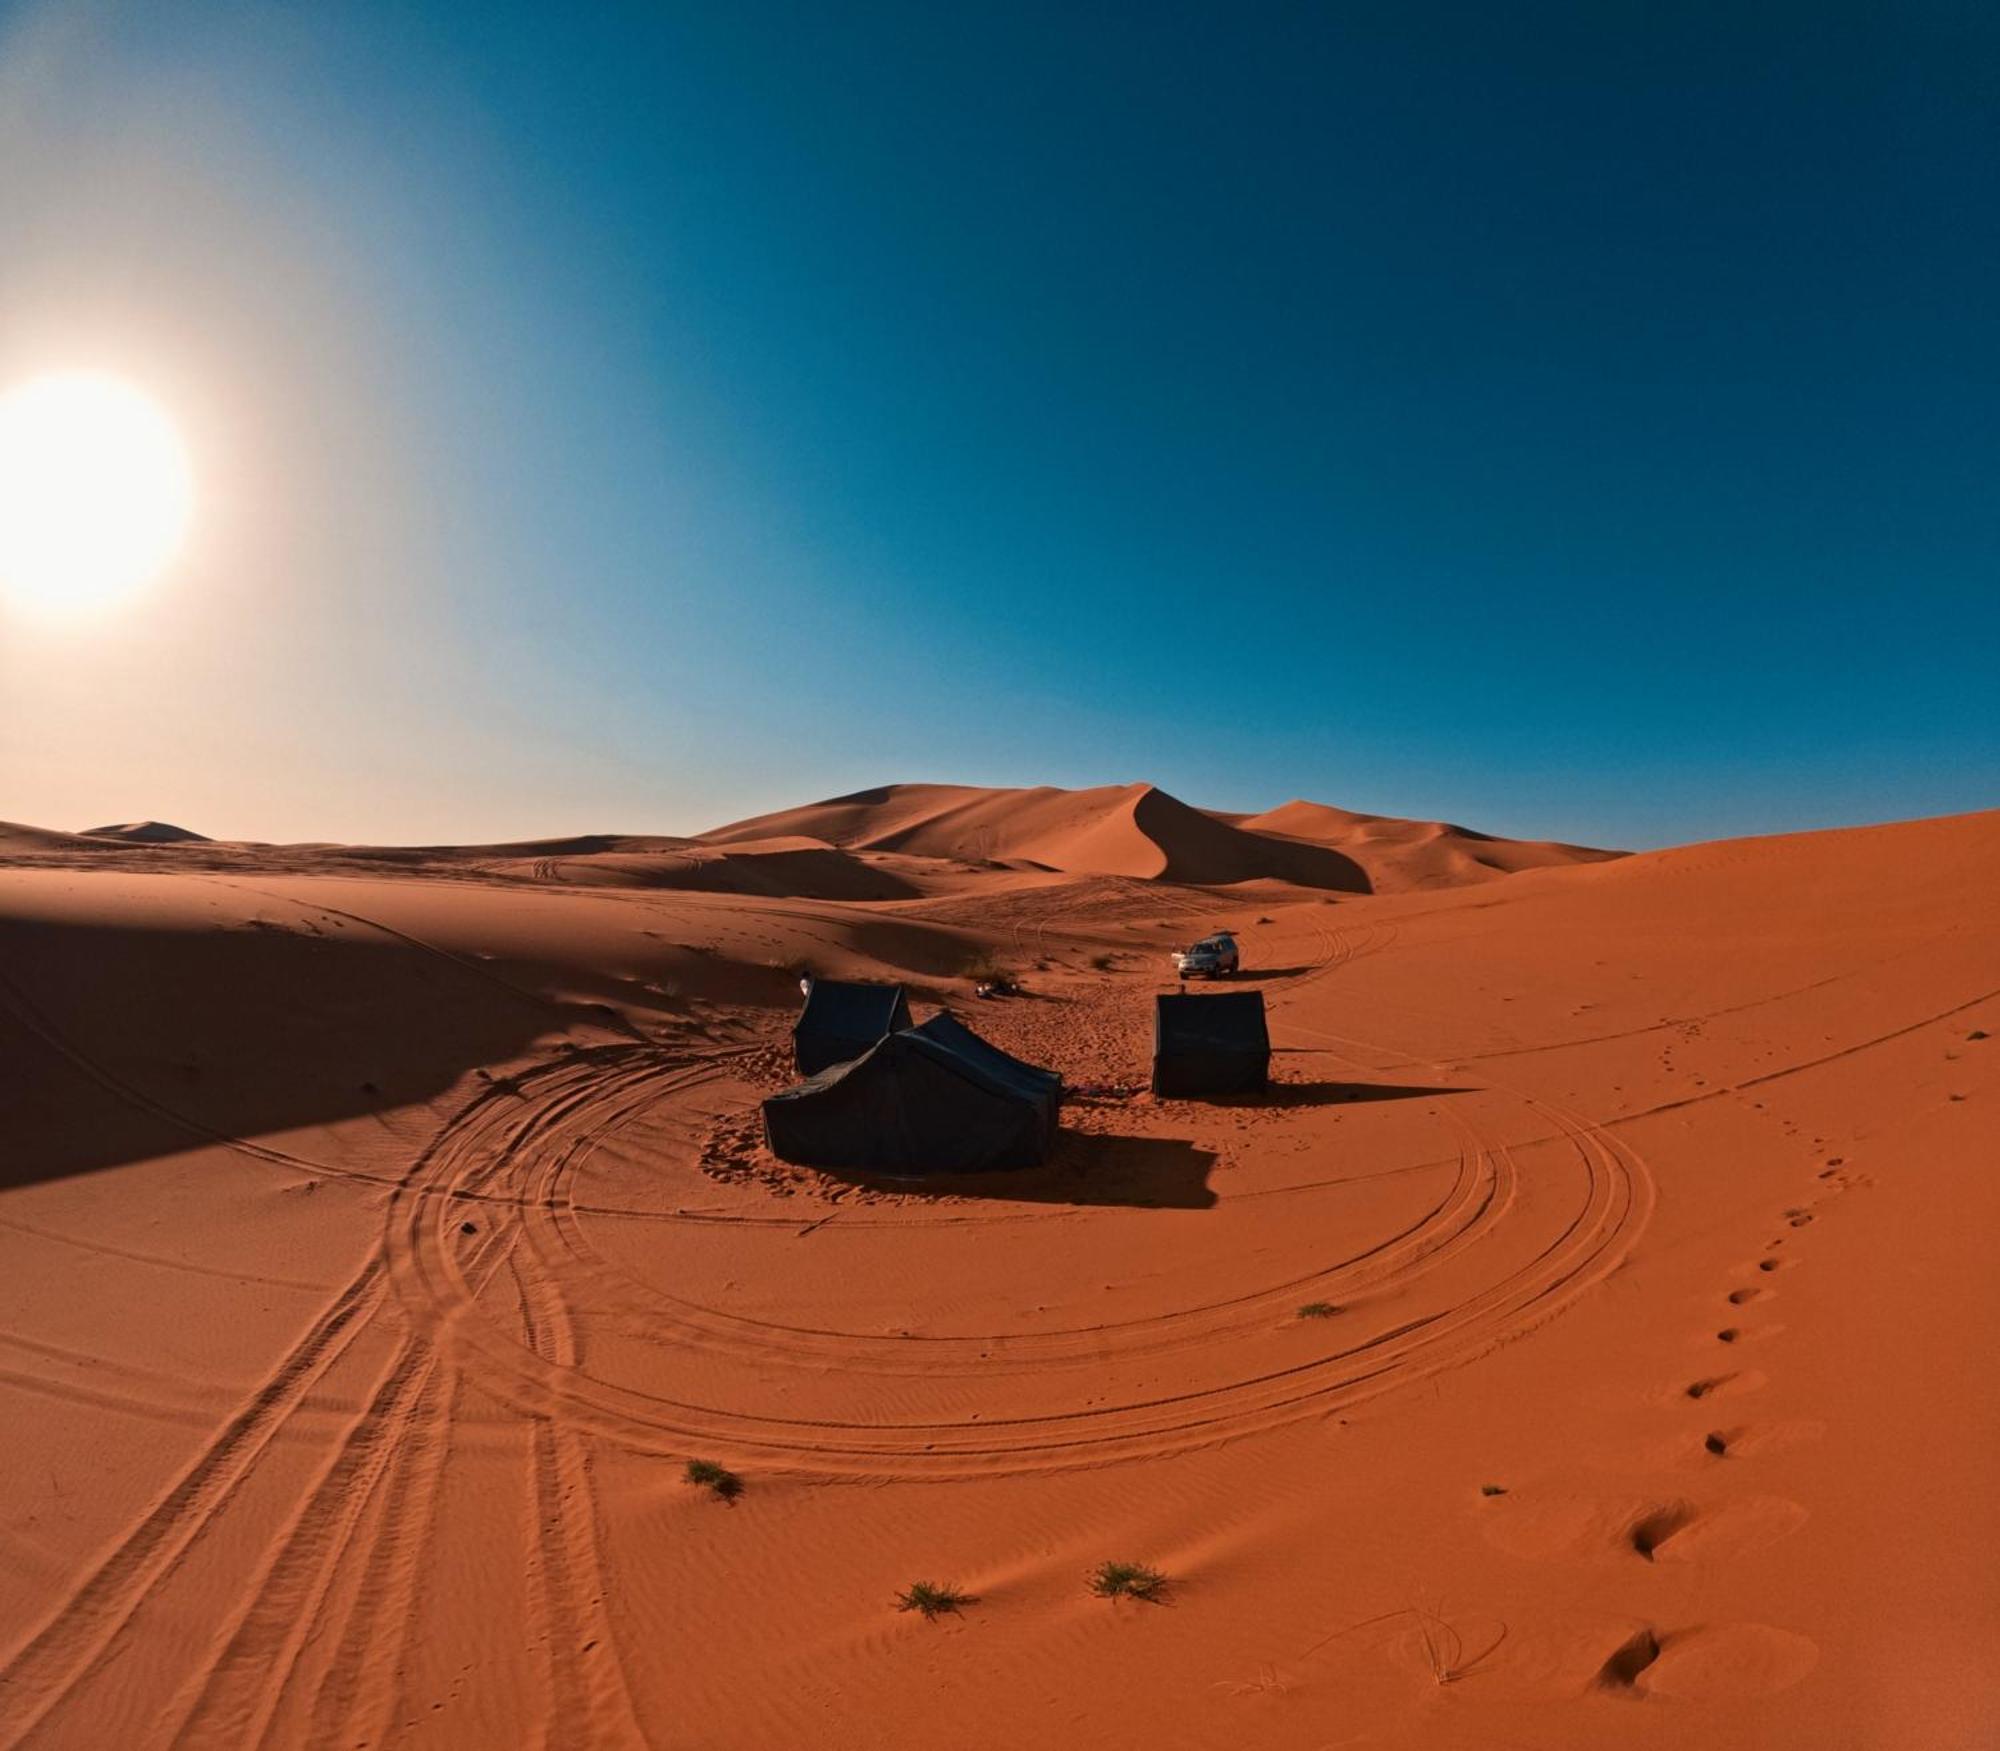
point(1746, 1334)
point(1725, 1385)
point(1727, 1662)
point(1675, 1530)
point(1718, 1662)
point(1743, 1297)
point(1743, 1440)
point(1681, 1533)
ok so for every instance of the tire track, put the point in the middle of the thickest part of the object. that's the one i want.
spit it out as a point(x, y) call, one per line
point(587, 1103)
point(74, 1642)
point(233, 1701)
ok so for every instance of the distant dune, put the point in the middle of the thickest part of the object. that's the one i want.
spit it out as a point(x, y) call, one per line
point(1400, 855)
point(147, 833)
point(16, 838)
point(1140, 831)
point(905, 841)
point(804, 869)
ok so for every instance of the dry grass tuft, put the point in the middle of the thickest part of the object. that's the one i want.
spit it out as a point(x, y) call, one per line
point(718, 1480)
point(931, 1599)
point(1127, 1581)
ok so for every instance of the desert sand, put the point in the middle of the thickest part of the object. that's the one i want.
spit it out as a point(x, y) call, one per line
point(382, 1230)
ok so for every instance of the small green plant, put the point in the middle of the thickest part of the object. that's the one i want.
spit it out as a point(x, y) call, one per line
point(1127, 1581)
point(1318, 1310)
point(931, 1599)
point(718, 1480)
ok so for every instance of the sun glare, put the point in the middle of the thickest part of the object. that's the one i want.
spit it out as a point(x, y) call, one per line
point(95, 492)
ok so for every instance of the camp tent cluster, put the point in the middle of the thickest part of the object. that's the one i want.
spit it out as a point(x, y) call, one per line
point(883, 1095)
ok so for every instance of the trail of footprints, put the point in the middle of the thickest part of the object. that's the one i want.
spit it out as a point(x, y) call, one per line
point(1688, 1531)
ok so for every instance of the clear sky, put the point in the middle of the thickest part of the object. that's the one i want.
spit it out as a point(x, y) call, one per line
point(1574, 420)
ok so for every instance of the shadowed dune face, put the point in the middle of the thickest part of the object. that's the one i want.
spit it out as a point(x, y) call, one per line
point(146, 1036)
point(383, 1233)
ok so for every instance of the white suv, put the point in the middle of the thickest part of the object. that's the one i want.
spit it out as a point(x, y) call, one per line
point(1214, 957)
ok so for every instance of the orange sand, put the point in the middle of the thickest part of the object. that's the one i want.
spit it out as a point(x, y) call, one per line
point(382, 1230)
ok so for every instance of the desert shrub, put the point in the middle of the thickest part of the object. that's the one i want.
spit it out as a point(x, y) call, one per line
point(1318, 1310)
point(931, 1599)
point(718, 1480)
point(1127, 1581)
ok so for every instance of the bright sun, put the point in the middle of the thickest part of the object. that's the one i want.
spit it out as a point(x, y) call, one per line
point(95, 491)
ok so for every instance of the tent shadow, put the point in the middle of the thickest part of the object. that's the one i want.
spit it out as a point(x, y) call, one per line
point(1336, 1094)
point(1088, 1169)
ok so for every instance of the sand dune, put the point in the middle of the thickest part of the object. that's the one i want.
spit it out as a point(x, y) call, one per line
point(1127, 830)
point(146, 833)
point(1399, 855)
point(799, 868)
point(1140, 831)
point(383, 1232)
point(17, 839)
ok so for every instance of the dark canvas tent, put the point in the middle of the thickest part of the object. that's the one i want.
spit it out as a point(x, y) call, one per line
point(1211, 1045)
point(933, 1099)
point(841, 1020)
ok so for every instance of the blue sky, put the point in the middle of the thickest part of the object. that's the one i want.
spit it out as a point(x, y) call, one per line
point(1578, 421)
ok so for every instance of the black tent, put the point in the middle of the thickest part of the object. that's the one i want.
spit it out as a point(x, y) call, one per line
point(933, 1099)
point(1211, 1045)
point(841, 1020)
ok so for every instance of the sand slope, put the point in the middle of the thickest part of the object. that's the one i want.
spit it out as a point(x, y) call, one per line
point(1398, 855)
point(17, 839)
point(379, 1242)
